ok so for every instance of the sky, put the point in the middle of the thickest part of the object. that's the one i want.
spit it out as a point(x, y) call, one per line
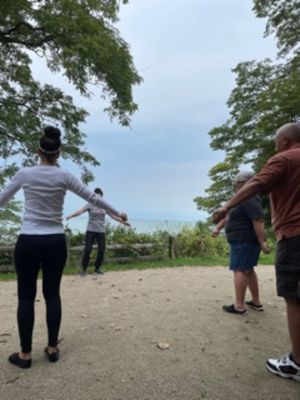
point(184, 51)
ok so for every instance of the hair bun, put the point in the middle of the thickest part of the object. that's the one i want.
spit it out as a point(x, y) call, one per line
point(52, 133)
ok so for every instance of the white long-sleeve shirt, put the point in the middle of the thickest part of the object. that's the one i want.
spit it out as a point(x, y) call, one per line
point(44, 190)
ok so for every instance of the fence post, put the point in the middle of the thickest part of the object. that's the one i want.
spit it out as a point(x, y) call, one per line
point(171, 248)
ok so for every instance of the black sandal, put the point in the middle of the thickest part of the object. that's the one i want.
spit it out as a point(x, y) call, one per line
point(16, 360)
point(53, 357)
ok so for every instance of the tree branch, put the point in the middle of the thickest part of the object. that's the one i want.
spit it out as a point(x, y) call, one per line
point(39, 35)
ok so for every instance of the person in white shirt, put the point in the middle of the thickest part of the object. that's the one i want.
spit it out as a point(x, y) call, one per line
point(95, 231)
point(42, 243)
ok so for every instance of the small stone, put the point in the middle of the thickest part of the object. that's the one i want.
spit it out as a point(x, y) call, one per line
point(163, 346)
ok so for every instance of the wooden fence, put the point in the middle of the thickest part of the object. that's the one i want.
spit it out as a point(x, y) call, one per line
point(138, 247)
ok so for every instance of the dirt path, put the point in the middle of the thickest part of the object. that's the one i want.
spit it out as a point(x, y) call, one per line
point(113, 323)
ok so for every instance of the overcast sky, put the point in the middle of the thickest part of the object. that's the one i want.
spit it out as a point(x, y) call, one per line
point(185, 51)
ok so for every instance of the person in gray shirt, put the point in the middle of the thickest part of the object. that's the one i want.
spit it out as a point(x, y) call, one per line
point(95, 231)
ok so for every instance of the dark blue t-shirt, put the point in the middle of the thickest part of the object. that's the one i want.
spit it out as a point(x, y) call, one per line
point(239, 226)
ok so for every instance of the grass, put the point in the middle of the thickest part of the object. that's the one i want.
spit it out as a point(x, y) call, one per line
point(265, 259)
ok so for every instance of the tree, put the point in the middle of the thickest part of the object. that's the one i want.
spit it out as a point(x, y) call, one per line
point(9, 223)
point(76, 38)
point(283, 21)
point(266, 96)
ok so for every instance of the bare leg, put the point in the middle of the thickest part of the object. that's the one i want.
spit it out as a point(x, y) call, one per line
point(293, 316)
point(24, 356)
point(240, 286)
point(253, 286)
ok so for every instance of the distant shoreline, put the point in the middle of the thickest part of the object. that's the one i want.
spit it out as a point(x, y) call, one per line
point(141, 226)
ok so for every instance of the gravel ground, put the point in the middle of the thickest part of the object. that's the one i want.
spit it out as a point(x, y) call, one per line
point(113, 326)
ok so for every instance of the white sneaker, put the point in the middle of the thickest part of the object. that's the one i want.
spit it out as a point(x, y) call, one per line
point(284, 367)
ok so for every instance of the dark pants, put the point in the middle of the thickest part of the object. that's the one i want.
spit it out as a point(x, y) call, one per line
point(32, 252)
point(90, 238)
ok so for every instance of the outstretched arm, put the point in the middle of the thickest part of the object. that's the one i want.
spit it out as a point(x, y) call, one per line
point(118, 219)
point(78, 188)
point(271, 174)
point(76, 214)
point(250, 189)
point(11, 188)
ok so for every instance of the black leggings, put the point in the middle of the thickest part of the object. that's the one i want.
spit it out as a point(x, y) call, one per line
point(32, 252)
point(90, 238)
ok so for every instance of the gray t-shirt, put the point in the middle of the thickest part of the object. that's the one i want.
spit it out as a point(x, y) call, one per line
point(96, 218)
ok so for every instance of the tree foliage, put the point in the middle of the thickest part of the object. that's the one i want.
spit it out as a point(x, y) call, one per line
point(9, 223)
point(266, 96)
point(76, 38)
point(282, 21)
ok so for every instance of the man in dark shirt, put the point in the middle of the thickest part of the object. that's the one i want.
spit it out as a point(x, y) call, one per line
point(280, 177)
point(244, 227)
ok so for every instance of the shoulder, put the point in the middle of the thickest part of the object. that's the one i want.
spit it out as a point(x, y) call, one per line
point(27, 170)
point(281, 162)
point(64, 172)
point(23, 172)
point(68, 176)
point(254, 201)
point(283, 156)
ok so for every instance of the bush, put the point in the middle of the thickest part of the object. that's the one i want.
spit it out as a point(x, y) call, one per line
point(189, 242)
point(197, 242)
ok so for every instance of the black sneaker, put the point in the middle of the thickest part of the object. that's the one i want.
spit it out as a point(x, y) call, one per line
point(256, 307)
point(232, 310)
point(284, 367)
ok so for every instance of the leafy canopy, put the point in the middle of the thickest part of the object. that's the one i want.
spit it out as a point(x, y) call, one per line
point(265, 97)
point(76, 38)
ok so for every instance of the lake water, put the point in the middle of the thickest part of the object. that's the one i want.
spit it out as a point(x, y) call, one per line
point(141, 226)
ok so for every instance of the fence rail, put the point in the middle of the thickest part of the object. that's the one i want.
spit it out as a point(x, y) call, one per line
point(8, 250)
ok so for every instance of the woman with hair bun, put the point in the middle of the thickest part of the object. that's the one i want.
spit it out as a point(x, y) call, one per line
point(42, 243)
